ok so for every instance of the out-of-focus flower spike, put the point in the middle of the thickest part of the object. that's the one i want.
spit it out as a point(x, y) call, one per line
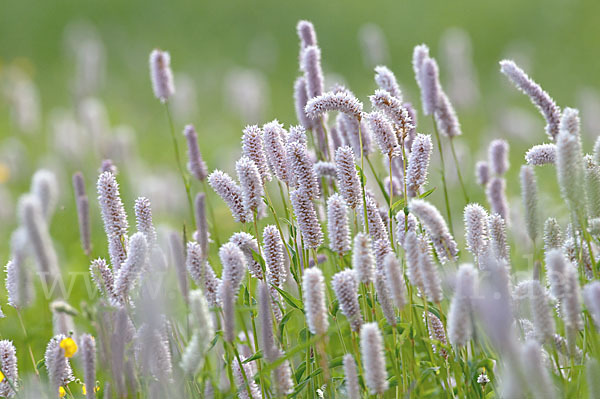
point(178, 255)
point(395, 282)
point(45, 187)
point(300, 100)
point(537, 376)
point(529, 194)
point(143, 217)
point(420, 53)
point(497, 232)
point(87, 345)
point(313, 292)
point(306, 33)
point(569, 170)
point(372, 354)
point(83, 212)
point(476, 228)
point(311, 65)
point(431, 278)
point(498, 156)
point(363, 261)
point(351, 374)
point(161, 75)
point(543, 321)
point(482, 172)
point(234, 263)
point(496, 194)
point(460, 326)
point(430, 85)
point(202, 232)
point(592, 187)
point(128, 274)
point(196, 165)
point(227, 298)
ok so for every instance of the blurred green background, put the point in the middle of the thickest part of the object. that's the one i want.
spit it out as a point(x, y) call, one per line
point(218, 43)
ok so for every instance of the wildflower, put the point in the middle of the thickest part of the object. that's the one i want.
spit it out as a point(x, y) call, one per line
point(351, 374)
point(114, 217)
point(347, 176)
point(88, 358)
point(404, 224)
point(202, 233)
point(83, 212)
point(196, 165)
point(345, 285)
point(253, 147)
point(36, 228)
point(161, 75)
point(274, 142)
point(307, 219)
point(569, 170)
point(234, 263)
point(325, 169)
point(377, 228)
point(69, 345)
point(541, 154)
point(536, 94)
point(445, 117)
point(430, 85)
point(436, 331)
point(552, 235)
point(460, 326)
point(231, 193)
point(529, 194)
point(385, 299)
point(310, 63)
point(342, 102)
point(476, 228)
point(496, 194)
point(251, 184)
point(306, 33)
point(497, 232)
point(420, 54)
point(386, 80)
point(300, 100)
point(498, 156)
point(143, 217)
point(412, 250)
point(393, 109)
point(362, 258)
point(371, 349)
point(592, 187)
point(249, 246)
point(202, 273)
point(431, 278)
point(302, 167)
point(395, 282)
point(382, 130)
point(45, 187)
point(482, 171)
point(9, 374)
point(338, 227)
point(57, 364)
point(274, 256)
point(136, 260)
point(436, 227)
point(543, 321)
point(418, 164)
point(313, 294)
point(538, 378)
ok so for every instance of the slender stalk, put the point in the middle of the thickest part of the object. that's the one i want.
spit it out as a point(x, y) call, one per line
point(460, 179)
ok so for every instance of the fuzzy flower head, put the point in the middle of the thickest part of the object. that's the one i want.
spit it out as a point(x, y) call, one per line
point(234, 264)
point(306, 216)
point(541, 154)
point(476, 228)
point(273, 248)
point(311, 65)
point(418, 164)
point(196, 165)
point(345, 285)
point(253, 148)
point(338, 226)
point(383, 132)
point(445, 117)
point(530, 202)
point(9, 375)
point(498, 156)
point(347, 176)
point(250, 183)
point(482, 172)
point(362, 258)
point(231, 193)
point(161, 75)
point(372, 354)
point(537, 95)
point(393, 109)
point(313, 292)
point(341, 101)
point(436, 228)
point(430, 85)
point(274, 138)
point(300, 100)
point(459, 318)
point(386, 80)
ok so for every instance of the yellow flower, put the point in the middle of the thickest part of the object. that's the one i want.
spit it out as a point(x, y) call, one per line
point(1, 376)
point(84, 391)
point(61, 392)
point(69, 345)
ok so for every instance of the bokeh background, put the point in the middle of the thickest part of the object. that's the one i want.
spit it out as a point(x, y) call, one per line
point(80, 73)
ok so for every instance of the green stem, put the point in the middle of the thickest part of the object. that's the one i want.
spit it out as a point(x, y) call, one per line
point(439, 144)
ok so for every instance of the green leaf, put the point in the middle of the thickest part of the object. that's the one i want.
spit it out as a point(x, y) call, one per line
point(257, 355)
point(427, 193)
point(284, 321)
point(398, 204)
point(290, 299)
